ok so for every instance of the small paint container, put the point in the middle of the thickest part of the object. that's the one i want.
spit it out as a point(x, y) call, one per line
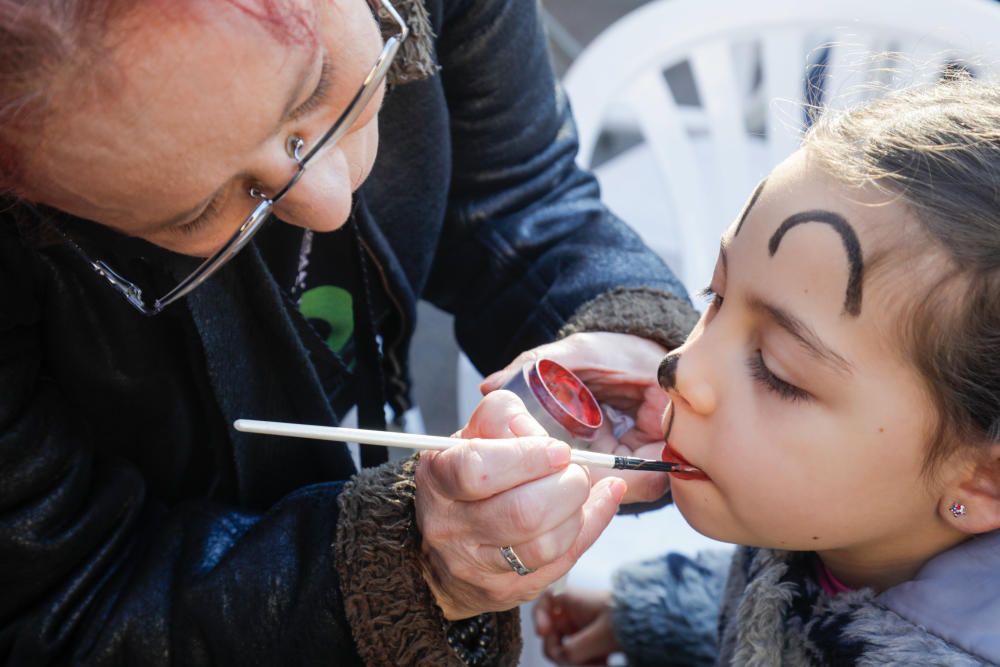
point(559, 401)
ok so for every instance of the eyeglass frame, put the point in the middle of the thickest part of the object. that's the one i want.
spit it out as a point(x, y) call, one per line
point(262, 212)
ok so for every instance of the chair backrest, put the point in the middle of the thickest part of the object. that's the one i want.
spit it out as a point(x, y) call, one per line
point(752, 67)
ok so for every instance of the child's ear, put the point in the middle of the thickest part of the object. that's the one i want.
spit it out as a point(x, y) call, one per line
point(972, 502)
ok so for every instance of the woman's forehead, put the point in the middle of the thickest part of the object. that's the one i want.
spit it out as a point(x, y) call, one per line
point(178, 104)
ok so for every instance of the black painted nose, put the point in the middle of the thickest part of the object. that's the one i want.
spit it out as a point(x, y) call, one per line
point(667, 374)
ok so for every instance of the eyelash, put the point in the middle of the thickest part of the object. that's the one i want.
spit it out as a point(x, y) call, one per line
point(760, 372)
point(758, 369)
point(319, 95)
point(209, 214)
point(710, 297)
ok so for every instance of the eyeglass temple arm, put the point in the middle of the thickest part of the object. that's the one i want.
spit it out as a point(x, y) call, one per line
point(207, 268)
point(128, 289)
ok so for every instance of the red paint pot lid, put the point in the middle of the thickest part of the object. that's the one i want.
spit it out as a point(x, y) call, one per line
point(565, 397)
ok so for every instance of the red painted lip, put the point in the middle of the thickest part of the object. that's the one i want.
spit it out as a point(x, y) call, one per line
point(671, 455)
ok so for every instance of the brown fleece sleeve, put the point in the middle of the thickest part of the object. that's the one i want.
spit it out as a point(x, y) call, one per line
point(641, 311)
point(394, 618)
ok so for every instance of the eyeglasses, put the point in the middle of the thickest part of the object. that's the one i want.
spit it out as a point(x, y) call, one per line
point(261, 213)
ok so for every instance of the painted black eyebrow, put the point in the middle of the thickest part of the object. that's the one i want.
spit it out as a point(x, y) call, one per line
point(801, 332)
point(852, 296)
point(749, 205)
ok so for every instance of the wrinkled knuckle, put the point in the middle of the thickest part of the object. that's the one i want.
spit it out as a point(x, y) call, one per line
point(497, 595)
point(469, 469)
point(431, 530)
point(576, 486)
point(545, 550)
point(523, 515)
point(465, 572)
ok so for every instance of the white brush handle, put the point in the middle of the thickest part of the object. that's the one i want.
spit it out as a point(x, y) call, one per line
point(387, 438)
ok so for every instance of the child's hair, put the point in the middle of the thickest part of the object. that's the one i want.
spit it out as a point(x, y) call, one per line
point(937, 149)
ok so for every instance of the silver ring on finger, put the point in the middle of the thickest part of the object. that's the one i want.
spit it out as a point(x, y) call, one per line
point(514, 561)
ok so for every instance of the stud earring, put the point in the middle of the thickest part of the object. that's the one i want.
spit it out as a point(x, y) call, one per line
point(957, 510)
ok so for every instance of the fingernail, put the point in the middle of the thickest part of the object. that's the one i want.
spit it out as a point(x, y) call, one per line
point(616, 489)
point(558, 454)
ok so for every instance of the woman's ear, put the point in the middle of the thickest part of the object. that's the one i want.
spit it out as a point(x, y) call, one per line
point(971, 503)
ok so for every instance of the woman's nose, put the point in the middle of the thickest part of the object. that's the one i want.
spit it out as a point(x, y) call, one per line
point(319, 200)
point(680, 375)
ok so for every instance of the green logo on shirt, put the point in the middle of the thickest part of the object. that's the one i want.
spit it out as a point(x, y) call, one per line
point(331, 306)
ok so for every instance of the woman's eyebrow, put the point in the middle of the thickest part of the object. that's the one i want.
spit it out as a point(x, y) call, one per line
point(849, 238)
point(802, 333)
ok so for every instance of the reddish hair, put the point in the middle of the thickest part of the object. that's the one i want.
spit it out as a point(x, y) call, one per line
point(42, 40)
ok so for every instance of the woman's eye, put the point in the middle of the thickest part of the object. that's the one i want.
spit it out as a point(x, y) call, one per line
point(189, 228)
point(319, 94)
point(761, 373)
point(711, 298)
point(207, 216)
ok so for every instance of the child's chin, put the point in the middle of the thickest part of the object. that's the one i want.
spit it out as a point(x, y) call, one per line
point(703, 524)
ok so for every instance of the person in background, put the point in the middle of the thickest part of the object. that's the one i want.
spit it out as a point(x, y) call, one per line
point(228, 209)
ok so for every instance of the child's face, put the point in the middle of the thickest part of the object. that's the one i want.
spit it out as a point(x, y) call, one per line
point(792, 393)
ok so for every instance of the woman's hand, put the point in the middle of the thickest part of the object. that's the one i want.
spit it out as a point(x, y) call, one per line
point(576, 627)
point(518, 489)
point(620, 370)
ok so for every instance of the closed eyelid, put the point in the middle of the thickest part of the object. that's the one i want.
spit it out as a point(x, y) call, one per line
point(317, 95)
point(802, 333)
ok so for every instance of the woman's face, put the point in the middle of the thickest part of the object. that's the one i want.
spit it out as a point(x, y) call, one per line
point(196, 107)
point(793, 394)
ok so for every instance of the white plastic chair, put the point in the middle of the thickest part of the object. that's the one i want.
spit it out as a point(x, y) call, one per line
point(693, 166)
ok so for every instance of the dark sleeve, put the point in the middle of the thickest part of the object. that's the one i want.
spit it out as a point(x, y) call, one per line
point(380, 564)
point(527, 240)
point(666, 610)
point(93, 571)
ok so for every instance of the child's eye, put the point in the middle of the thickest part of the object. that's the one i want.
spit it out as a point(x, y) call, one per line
point(711, 298)
point(760, 372)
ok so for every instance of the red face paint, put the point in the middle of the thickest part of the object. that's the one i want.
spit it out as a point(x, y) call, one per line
point(559, 400)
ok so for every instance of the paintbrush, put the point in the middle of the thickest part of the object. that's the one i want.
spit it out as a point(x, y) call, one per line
point(438, 443)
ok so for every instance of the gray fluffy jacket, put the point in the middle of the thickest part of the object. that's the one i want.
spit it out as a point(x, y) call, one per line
point(769, 610)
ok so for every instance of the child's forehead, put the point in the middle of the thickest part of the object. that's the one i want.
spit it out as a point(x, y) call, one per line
point(803, 228)
point(800, 186)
